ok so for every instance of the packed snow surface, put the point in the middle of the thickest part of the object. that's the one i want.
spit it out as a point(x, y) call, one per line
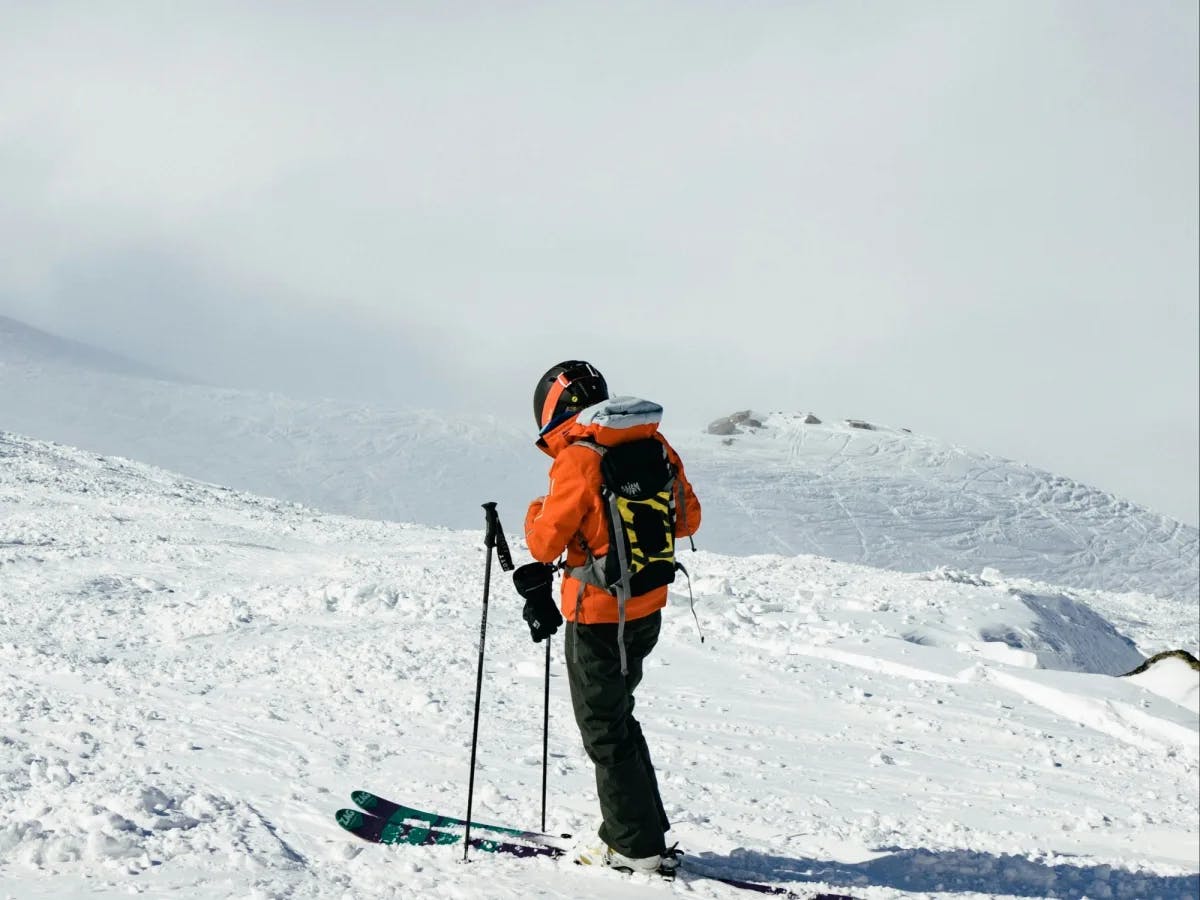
point(881, 496)
point(192, 680)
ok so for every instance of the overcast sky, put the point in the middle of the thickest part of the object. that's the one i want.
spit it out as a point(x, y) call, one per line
point(978, 220)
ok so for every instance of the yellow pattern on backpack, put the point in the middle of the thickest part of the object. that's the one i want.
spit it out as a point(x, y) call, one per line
point(653, 518)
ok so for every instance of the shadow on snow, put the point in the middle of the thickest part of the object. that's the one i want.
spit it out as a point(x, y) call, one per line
point(955, 871)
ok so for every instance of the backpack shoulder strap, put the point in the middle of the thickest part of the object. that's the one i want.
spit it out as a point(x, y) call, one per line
point(598, 449)
point(582, 572)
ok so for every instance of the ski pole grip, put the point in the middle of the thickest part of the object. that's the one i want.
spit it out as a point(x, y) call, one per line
point(493, 524)
point(495, 537)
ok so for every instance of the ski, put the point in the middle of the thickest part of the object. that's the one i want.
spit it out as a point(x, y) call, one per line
point(387, 822)
point(760, 888)
point(382, 831)
point(398, 812)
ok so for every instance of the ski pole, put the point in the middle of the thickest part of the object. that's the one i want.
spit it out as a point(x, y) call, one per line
point(493, 539)
point(546, 735)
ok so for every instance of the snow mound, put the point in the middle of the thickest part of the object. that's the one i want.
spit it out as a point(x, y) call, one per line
point(1174, 675)
point(1066, 634)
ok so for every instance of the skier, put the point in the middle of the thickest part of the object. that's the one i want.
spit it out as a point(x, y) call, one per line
point(607, 636)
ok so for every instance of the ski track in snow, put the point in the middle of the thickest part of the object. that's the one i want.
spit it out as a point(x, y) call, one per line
point(192, 679)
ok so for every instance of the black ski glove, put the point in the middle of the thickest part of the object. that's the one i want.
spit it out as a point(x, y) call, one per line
point(534, 581)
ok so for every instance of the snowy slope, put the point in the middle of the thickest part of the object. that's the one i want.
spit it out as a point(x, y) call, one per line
point(889, 498)
point(411, 465)
point(882, 497)
point(193, 679)
point(34, 349)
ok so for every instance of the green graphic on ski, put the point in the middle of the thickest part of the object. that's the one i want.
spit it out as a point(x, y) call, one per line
point(384, 831)
point(398, 812)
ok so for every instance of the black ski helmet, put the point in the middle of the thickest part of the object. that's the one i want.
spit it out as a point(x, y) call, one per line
point(565, 389)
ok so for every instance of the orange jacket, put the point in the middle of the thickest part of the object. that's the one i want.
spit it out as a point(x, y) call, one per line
point(573, 507)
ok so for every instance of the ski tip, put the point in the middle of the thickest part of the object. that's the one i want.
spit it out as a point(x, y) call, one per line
point(350, 819)
point(365, 799)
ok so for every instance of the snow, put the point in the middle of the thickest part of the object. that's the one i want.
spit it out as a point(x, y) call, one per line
point(193, 679)
point(1173, 679)
point(882, 497)
point(889, 498)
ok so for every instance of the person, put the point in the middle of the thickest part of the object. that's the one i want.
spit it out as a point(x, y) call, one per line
point(605, 650)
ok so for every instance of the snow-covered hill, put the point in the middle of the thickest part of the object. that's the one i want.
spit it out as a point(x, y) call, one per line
point(42, 354)
point(192, 680)
point(881, 497)
point(413, 465)
point(885, 497)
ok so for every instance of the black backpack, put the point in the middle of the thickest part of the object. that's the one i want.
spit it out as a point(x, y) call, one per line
point(637, 489)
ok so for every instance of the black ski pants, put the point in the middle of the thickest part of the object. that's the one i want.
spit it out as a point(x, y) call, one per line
point(634, 819)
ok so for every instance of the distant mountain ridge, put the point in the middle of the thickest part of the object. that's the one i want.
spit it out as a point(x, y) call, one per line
point(881, 497)
point(22, 344)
